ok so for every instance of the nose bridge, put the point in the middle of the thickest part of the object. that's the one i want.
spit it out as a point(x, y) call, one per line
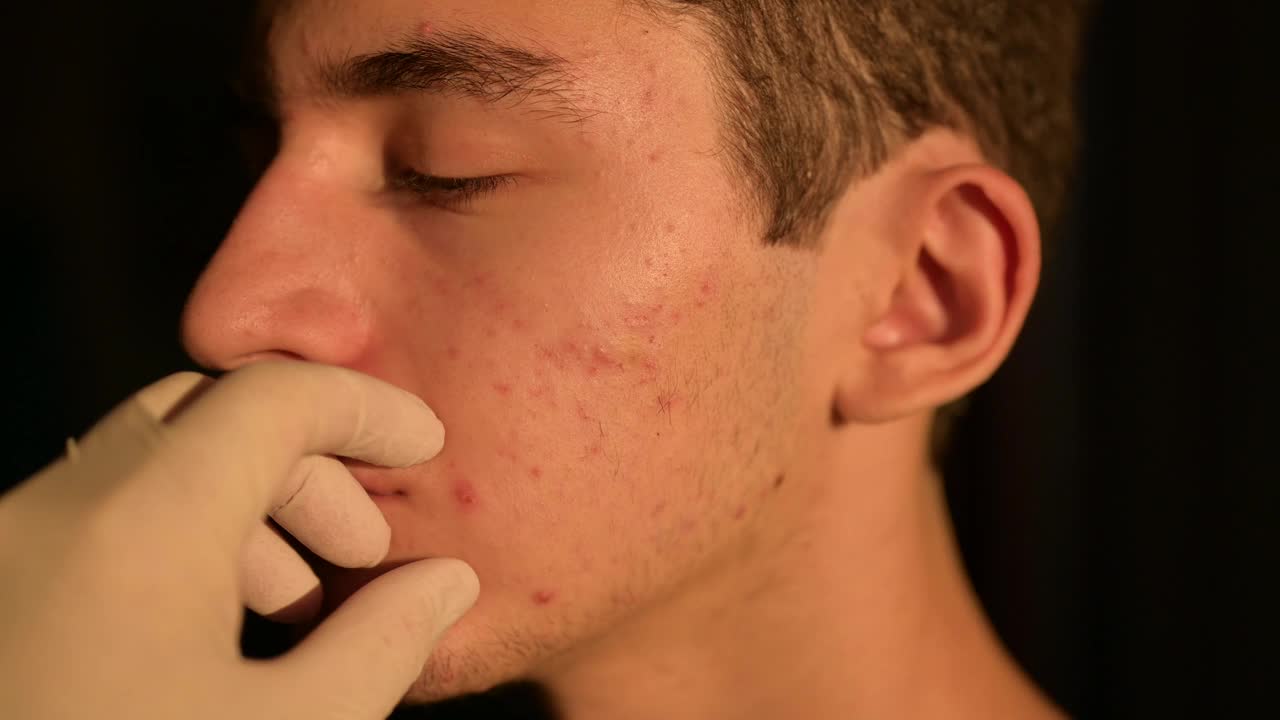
point(286, 279)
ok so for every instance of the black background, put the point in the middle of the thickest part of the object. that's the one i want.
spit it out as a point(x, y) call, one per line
point(1114, 486)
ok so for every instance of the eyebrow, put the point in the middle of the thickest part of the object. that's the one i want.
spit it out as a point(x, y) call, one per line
point(465, 65)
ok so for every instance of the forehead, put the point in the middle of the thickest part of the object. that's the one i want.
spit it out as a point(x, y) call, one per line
point(608, 46)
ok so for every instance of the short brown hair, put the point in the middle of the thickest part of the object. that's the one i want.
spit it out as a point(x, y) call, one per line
point(820, 92)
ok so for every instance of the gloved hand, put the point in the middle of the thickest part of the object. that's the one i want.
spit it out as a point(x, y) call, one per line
point(125, 565)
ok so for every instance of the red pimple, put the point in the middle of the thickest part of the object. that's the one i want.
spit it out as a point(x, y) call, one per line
point(464, 493)
point(740, 512)
point(657, 509)
point(503, 389)
point(453, 352)
point(535, 472)
point(543, 597)
point(426, 28)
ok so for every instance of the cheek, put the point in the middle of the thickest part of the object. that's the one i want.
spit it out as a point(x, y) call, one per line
point(555, 413)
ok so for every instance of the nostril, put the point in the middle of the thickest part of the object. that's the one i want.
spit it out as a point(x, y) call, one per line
point(263, 356)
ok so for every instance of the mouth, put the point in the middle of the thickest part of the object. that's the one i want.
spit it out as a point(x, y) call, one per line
point(376, 481)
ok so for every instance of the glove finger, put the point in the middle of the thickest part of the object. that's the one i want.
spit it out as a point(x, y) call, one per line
point(168, 396)
point(254, 425)
point(363, 658)
point(333, 516)
point(275, 581)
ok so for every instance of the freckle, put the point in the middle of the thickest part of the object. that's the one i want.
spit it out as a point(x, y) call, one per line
point(503, 389)
point(464, 493)
point(543, 597)
point(535, 472)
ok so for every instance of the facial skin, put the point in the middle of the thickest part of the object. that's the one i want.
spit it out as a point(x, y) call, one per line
point(637, 392)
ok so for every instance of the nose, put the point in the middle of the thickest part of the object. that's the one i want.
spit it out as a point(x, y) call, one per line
point(287, 280)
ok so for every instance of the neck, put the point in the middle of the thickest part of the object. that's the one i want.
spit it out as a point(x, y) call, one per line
point(847, 601)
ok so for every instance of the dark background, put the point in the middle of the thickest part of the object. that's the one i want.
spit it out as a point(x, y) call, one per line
point(1114, 486)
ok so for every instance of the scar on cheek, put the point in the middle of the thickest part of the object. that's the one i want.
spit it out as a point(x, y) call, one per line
point(543, 597)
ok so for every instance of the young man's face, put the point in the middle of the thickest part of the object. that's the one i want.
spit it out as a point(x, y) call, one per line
point(616, 357)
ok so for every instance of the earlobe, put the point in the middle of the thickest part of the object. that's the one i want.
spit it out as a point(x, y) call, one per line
point(970, 264)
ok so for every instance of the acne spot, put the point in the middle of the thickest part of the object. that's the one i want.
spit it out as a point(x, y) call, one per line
point(655, 157)
point(535, 472)
point(464, 493)
point(657, 509)
point(740, 513)
point(453, 352)
point(543, 597)
point(426, 28)
point(503, 389)
point(777, 482)
point(669, 228)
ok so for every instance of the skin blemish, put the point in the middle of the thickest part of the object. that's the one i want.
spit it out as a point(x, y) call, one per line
point(777, 482)
point(535, 472)
point(503, 389)
point(543, 597)
point(464, 492)
point(426, 28)
point(740, 513)
point(657, 509)
point(453, 352)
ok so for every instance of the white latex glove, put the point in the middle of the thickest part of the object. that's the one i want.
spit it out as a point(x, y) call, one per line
point(124, 566)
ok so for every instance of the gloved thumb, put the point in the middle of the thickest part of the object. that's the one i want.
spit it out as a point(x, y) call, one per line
point(361, 660)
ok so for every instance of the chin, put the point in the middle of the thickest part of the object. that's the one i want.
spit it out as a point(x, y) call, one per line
point(468, 659)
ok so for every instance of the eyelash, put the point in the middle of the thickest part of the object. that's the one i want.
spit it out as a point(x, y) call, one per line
point(449, 193)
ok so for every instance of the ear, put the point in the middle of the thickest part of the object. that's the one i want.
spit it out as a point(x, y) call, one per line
point(967, 266)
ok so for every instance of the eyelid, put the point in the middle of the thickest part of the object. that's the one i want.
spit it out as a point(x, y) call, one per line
point(448, 193)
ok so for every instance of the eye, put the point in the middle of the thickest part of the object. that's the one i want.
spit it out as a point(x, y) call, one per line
point(448, 193)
